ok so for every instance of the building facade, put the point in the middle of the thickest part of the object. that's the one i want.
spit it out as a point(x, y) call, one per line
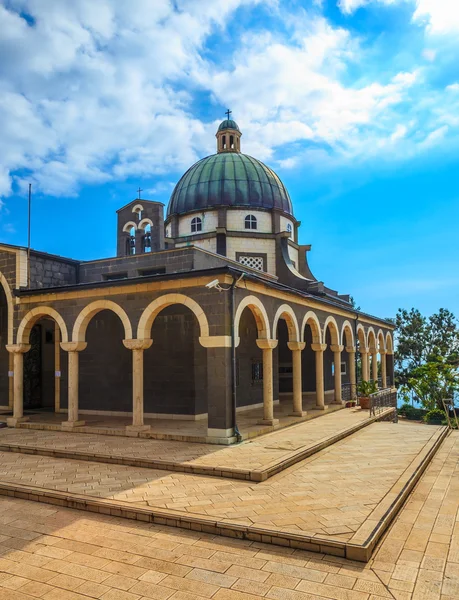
point(204, 313)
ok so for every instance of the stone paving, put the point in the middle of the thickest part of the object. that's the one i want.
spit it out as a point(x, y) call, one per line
point(252, 454)
point(330, 495)
point(60, 554)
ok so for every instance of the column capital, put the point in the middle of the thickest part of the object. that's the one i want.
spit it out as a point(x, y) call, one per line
point(73, 346)
point(364, 350)
point(319, 347)
point(18, 348)
point(350, 349)
point(336, 348)
point(138, 344)
point(216, 341)
point(382, 352)
point(296, 345)
point(267, 344)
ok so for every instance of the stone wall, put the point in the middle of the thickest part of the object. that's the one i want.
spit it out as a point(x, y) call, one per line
point(50, 272)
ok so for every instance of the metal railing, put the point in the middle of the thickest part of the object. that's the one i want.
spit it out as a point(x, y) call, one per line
point(348, 392)
point(386, 398)
point(450, 410)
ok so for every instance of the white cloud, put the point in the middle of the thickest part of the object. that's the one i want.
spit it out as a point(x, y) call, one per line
point(88, 91)
point(350, 6)
point(454, 87)
point(441, 16)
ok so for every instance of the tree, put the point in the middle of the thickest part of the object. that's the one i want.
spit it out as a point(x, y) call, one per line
point(427, 354)
point(354, 303)
point(434, 381)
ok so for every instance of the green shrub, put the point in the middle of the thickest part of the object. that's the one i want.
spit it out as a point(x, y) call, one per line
point(410, 412)
point(365, 388)
point(435, 416)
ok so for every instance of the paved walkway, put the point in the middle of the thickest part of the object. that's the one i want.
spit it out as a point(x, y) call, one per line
point(60, 554)
point(250, 455)
point(330, 495)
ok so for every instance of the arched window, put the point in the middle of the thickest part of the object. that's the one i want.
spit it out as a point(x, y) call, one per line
point(251, 222)
point(130, 242)
point(147, 239)
point(223, 142)
point(232, 142)
point(289, 227)
point(196, 224)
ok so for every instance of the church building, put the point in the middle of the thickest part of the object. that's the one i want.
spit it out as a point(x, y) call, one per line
point(209, 317)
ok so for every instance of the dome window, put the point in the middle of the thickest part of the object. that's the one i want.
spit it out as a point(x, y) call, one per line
point(289, 227)
point(196, 224)
point(251, 222)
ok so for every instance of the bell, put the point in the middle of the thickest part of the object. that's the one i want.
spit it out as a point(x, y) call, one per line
point(132, 242)
point(148, 241)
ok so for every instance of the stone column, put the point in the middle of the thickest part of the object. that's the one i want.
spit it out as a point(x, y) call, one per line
point(268, 407)
point(365, 363)
point(297, 348)
point(137, 347)
point(73, 348)
point(319, 356)
point(383, 368)
point(18, 351)
point(57, 368)
point(337, 349)
point(374, 366)
point(352, 375)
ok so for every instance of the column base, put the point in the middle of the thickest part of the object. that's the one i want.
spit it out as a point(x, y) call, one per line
point(134, 430)
point(340, 402)
point(270, 422)
point(69, 425)
point(299, 413)
point(14, 421)
point(221, 436)
point(320, 407)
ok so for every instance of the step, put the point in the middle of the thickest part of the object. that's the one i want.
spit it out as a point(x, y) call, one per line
point(272, 460)
point(357, 486)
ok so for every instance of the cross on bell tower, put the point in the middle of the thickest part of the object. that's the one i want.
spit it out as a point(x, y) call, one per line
point(228, 135)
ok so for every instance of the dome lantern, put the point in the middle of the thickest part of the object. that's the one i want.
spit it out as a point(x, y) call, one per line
point(228, 135)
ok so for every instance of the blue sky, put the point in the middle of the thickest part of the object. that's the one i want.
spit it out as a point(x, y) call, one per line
point(355, 103)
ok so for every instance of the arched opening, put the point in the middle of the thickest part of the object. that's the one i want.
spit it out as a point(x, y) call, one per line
point(373, 356)
point(286, 331)
point(105, 366)
point(45, 368)
point(175, 366)
point(146, 240)
point(249, 362)
point(5, 359)
point(362, 355)
point(333, 360)
point(311, 337)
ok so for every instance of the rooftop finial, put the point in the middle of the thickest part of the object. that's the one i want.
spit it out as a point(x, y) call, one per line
point(228, 113)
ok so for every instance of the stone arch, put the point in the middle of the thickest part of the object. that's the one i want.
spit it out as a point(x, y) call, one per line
point(138, 208)
point(155, 307)
point(259, 312)
point(371, 338)
point(129, 225)
point(144, 222)
point(361, 336)
point(389, 343)
point(10, 306)
point(381, 344)
point(331, 324)
point(347, 335)
point(85, 316)
point(311, 319)
point(35, 315)
point(286, 312)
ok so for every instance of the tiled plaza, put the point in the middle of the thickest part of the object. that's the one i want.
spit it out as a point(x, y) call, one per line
point(335, 494)
point(60, 554)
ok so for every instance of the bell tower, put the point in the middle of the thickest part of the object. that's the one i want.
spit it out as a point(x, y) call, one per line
point(228, 135)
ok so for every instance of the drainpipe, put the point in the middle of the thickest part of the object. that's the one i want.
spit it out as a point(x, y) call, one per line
point(233, 357)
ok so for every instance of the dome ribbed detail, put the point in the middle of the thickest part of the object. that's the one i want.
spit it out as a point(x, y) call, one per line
point(228, 124)
point(229, 179)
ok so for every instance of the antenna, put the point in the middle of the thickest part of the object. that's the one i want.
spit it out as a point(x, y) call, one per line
point(28, 238)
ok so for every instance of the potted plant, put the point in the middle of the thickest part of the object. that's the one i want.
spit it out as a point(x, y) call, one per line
point(364, 390)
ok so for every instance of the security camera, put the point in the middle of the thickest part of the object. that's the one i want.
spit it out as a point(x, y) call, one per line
point(212, 284)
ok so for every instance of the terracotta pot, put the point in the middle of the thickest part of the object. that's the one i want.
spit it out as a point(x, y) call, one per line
point(364, 402)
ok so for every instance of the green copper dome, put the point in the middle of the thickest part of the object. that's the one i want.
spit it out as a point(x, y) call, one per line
point(228, 124)
point(229, 179)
